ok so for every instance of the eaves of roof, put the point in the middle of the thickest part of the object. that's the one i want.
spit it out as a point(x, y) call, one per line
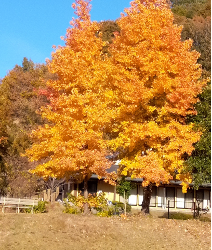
point(114, 168)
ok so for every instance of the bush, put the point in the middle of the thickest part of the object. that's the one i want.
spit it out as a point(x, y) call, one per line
point(106, 212)
point(184, 216)
point(120, 206)
point(97, 201)
point(205, 219)
point(71, 209)
point(40, 208)
point(181, 216)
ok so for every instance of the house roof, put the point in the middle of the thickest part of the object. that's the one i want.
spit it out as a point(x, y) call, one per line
point(114, 168)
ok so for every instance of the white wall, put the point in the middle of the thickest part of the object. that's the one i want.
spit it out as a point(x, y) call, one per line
point(133, 197)
point(140, 195)
point(180, 198)
point(160, 196)
point(206, 201)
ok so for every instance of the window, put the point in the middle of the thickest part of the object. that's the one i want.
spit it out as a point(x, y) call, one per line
point(189, 197)
point(153, 197)
point(170, 195)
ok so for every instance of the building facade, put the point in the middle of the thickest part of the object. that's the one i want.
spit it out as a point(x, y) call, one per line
point(160, 195)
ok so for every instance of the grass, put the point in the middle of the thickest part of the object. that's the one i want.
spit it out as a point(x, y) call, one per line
point(181, 216)
point(55, 230)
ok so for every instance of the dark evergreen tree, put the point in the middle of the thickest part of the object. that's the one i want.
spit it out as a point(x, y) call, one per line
point(200, 161)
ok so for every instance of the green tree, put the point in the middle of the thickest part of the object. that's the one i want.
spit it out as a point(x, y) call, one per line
point(27, 65)
point(191, 8)
point(124, 187)
point(195, 16)
point(200, 161)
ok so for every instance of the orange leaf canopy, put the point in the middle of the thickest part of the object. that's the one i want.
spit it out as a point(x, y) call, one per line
point(71, 144)
point(139, 96)
point(156, 83)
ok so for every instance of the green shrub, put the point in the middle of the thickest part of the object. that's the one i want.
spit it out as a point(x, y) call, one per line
point(120, 206)
point(124, 187)
point(71, 209)
point(205, 219)
point(106, 211)
point(40, 208)
point(184, 216)
point(181, 216)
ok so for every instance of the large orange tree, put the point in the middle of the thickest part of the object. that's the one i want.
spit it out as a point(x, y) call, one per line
point(72, 144)
point(156, 83)
point(136, 95)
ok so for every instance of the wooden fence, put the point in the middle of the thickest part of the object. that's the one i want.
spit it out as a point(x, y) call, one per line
point(48, 195)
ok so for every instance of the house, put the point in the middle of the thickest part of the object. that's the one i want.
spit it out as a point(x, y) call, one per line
point(160, 195)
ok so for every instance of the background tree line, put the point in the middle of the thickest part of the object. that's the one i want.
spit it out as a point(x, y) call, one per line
point(20, 101)
point(195, 16)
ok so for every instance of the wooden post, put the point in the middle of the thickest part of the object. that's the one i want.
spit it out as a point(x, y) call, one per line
point(53, 197)
point(48, 194)
point(18, 206)
point(69, 186)
point(194, 209)
point(114, 193)
point(57, 192)
point(168, 208)
point(125, 205)
point(45, 196)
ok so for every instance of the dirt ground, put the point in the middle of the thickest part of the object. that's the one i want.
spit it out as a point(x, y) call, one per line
point(56, 231)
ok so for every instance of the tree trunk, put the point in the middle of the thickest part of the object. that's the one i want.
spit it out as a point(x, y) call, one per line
point(86, 208)
point(146, 199)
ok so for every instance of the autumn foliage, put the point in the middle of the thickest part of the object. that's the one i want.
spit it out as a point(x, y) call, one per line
point(137, 95)
point(71, 144)
point(155, 87)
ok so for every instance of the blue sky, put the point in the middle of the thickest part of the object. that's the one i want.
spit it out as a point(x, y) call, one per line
point(29, 28)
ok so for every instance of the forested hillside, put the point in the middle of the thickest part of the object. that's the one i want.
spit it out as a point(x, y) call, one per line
point(19, 103)
point(195, 16)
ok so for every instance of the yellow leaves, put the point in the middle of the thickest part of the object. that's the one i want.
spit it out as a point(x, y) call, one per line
point(111, 178)
point(109, 94)
point(185, 187)
point(139, 96)
point(188, 44)
point(151, 109)
point(149, 167)
point(186, 179)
